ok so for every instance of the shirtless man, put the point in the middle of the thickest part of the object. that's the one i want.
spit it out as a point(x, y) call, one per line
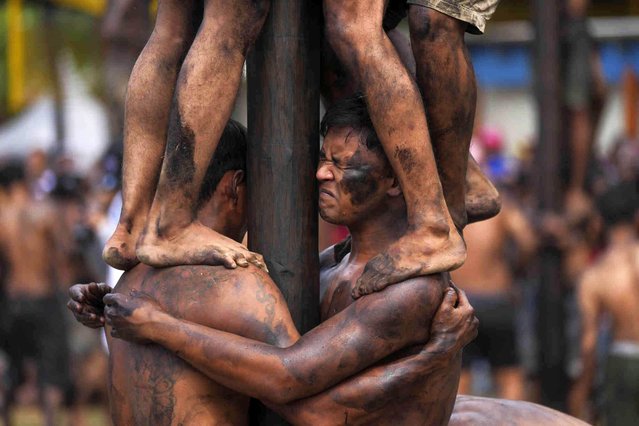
point(446, 79)
point(247, 302)
point(171, 234)
point(33, 315)
point(611, 286)
point(404, 391)
point(488, 279)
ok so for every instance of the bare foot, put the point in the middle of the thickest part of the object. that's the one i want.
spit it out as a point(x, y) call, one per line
point(420, 252)
point(119, 251)
point(482, 198)
point(195, 244)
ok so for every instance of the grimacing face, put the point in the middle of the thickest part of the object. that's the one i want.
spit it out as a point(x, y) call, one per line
point(353, 180)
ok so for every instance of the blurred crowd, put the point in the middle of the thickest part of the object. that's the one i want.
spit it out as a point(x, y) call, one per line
point(56, 221)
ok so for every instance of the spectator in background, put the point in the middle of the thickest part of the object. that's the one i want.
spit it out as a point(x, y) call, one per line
point(30, 241)
point(489, 282)
point(611, 286)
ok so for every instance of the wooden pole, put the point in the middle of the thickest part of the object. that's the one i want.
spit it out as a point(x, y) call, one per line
point(549, 149)
point(283, 128)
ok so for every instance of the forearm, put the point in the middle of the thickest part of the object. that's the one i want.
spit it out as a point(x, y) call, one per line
point(359, 398)
point(260, 370)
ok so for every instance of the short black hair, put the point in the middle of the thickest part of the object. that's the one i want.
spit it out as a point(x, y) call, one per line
point(619, 204)
point(12, 171)
point(352, 112)
point(229, 155)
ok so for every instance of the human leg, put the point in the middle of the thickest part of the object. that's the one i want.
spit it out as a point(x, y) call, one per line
point(207, 86)
point(147, 108)
point(482, 199)
point(447, 81)
point(432, 244)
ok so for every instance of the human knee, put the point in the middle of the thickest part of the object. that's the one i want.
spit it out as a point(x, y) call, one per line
point(429, 26)
point(241, 20)
point(347, 25)
point(170, 43)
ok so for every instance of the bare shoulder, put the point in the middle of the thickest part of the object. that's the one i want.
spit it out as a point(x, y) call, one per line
point(243, 301)
point(409, 302)
point(424, 289)
point(493, 411)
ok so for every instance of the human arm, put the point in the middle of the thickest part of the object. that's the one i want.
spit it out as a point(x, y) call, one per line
point(362, 334)
point(85, 303)
point(359, 398)
point(520, 229)
point(589, 307)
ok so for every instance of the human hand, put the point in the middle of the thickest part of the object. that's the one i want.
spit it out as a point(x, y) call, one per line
point(454, 324)
point(131, 317)
point(86, 303)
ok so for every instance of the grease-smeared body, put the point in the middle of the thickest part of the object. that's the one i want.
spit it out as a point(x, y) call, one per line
point(149, 385)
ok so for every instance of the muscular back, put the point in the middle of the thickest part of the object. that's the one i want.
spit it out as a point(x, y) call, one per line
point(486, 269)
point(27, 240)
point(150, 385)
point(613, 285)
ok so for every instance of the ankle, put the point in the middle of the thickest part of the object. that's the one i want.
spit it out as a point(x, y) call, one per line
point(164, 227)
point(436, 228)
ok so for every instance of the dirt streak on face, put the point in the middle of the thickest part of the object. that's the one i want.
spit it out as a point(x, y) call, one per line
point(359, 180)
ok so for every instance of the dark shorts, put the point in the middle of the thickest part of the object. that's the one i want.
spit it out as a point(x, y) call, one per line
point(36, 329)
point(496, 339)
point(621, 391)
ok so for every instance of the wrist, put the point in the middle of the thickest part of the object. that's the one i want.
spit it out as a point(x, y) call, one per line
point(438, 350)
point(154, 328)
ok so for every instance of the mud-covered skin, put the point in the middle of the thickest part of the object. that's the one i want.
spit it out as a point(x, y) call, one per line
point(360, 399)
point(374, 331)
point(194, 57)
point(482, 198)
point(146, 121)
point(150, 385)
point(205, 93)
point(431, 243)
point(446, 78)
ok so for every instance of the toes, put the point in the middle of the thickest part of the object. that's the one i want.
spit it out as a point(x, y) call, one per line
point(241, 260)
point(228, 261)
point(258, 260)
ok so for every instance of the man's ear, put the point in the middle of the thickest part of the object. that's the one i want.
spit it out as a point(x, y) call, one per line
point(237, 182)
point(395, 190)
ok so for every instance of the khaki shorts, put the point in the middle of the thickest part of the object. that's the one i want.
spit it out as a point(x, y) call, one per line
point(475, 12)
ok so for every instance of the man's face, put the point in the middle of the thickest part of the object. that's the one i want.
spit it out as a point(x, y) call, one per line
point(353, 180)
